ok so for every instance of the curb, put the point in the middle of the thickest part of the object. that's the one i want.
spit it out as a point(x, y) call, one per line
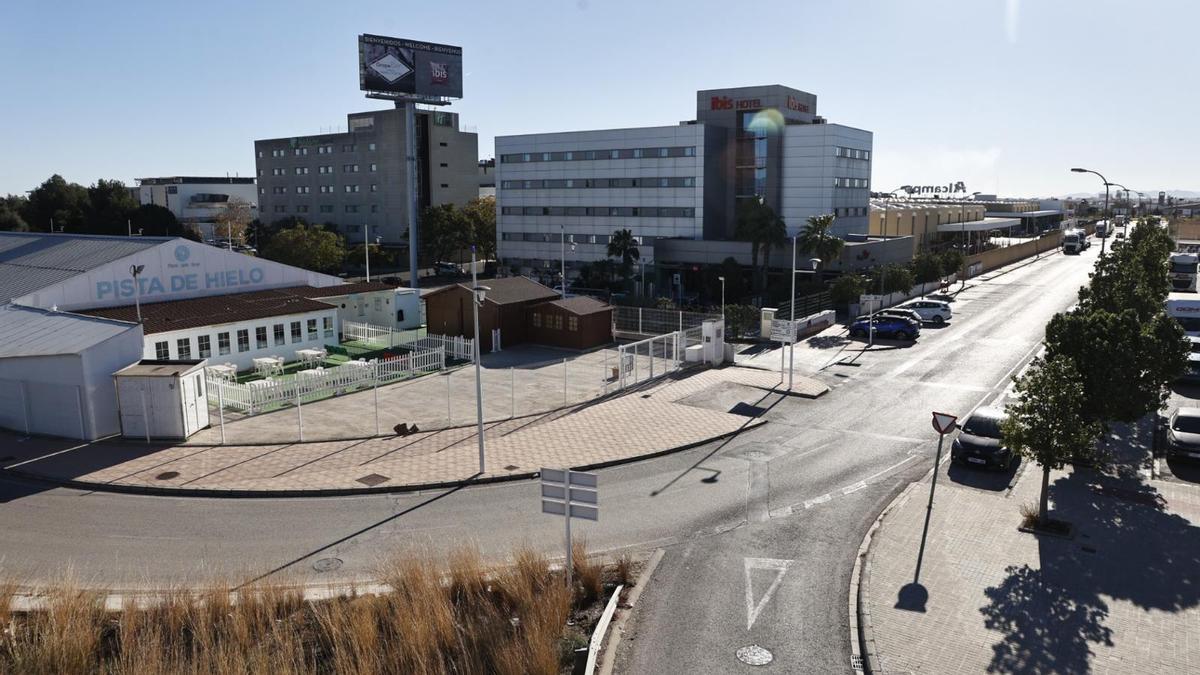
point(608, 653)
point(345, 492)
point(864, 657)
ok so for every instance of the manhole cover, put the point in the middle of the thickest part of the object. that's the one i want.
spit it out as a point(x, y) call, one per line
point(327, 564)
point(511, 467)
point(167, 475)
point(372, 480)
point(754, 655)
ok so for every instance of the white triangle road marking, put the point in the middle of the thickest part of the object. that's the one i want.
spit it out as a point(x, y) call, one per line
point(780, 567)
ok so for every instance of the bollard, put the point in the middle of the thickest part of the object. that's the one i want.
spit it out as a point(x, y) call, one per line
point(447, 398)
point(564, 382)
point(299, 413)
point(512, 389)
point(221, 410)
point(376, 400)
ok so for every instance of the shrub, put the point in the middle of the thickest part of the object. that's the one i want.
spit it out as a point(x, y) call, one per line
point(847, 288)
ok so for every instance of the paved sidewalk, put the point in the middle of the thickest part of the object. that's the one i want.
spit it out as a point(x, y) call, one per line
point(644, 422)
point(1120, 596)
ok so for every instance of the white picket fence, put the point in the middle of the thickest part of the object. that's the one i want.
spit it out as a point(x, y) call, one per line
point(382, 336)
point(259, 395)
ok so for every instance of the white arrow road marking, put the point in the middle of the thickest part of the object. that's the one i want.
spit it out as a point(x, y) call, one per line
point(780, 567)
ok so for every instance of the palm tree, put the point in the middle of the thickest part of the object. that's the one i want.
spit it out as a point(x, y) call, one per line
point(758, 224)
point(816, 238)
point(622, 245)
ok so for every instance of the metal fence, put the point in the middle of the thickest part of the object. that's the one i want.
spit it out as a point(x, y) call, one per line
point(653, 357)
point(805, 305)
point(651, 321)
point(259, 396)
point(416, 339)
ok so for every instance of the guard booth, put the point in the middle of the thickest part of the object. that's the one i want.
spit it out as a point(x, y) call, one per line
point(162, 399)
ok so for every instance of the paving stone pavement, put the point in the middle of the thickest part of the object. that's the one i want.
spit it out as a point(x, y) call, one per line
point(642, 422)
point(1121, 596)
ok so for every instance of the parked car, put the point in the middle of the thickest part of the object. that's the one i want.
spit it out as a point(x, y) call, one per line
point(893, 312)
point(979, 441)
point(1192, 374)
point(446, 268)
point(887, 326)
point(934, 311)
point(1183, 434)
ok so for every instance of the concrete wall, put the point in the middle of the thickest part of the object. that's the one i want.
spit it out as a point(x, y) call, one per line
point(999, 257)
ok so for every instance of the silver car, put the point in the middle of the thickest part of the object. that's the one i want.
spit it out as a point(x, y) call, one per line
point(1183, 434)
point(933, 311)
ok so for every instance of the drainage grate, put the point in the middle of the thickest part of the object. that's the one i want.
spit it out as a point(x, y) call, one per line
point(167, 475)
point(856, 663)
point(371, 480)
point(753, 655)
point(327, 564)
point(511, 467)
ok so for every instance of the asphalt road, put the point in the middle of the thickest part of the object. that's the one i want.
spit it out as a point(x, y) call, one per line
point(785, 505)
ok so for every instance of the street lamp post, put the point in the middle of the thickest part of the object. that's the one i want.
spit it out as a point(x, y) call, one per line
point(135, 271)
point(1107, 220)
point(813, 263)
point(367, 251)
point(966, 250)
point(480, 293)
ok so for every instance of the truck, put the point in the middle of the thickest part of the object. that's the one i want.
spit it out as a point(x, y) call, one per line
point(1182, 271)
point(1185, 308)
point(1103, 229)
point(1075, 241)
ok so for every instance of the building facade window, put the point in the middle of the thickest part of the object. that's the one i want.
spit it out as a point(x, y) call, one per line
point(260, 337)
point(243, 338)
point(280, 338)
point(327, 324)
point(326, 208)
point(572, 323)
point(591, 155)
point(537, 320)
point(374, 168)
point(370, 146)
point(351, 208)
point(349, 168)
point(205, 346)
point(162, 351)
point(312, 330)
point(223, 343)
point(183, 346)
point(296, 336)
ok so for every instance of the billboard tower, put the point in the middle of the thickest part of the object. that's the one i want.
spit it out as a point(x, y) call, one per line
point(409, 72)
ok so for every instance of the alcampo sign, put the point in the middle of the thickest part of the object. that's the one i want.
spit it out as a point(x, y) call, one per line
point(948, 188)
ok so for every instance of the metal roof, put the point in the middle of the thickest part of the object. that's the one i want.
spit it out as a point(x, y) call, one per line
point(980, 225)
point(31, 261)
point(25, 331)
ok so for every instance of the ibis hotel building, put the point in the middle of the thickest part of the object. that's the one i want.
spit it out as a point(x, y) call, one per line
point(677, 187)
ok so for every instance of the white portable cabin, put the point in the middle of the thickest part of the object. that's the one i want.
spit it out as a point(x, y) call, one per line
point(162, 399)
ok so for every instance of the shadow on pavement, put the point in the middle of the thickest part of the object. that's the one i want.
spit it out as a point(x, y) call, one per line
point(827, 341)
point(1185, 471)
point(62, 459)
point(1127, 548)
point(912, 597)
point(983, 479)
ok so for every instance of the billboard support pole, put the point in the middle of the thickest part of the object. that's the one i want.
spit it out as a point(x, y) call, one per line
point(410, 159)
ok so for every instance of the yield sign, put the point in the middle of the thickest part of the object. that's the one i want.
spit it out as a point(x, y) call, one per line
point(943, 422)
point(753, 609)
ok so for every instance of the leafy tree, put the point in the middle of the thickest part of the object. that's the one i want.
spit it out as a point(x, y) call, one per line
point(443, 231)
point(309, 247)
point(952, 261)
point(897, 279)
point(156, 221)
point(847, 288)
point(817, 239)
point(110, 207)
point(1133, 276)
point(758, 224)
point(65, 204)
point(479, 215)
point(232, 221)
point(624, 247)
point(1050, 423)
point(11, 219)
point(739, 319)
point(926, 267)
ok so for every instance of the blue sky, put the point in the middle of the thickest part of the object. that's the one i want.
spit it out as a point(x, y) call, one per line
point(1005, 95)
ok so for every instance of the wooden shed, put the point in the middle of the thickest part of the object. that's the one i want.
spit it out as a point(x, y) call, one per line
point(448, 309)
point(575, 323)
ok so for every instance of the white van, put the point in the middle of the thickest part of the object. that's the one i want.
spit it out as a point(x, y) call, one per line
point(1185, 308)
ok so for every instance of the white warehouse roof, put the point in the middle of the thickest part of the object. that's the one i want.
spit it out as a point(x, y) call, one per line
point(25, 331)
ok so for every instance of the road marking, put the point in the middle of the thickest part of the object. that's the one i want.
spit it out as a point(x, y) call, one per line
point(854, 488)
point(757, 509)
point(817, 500)
point(780, 568)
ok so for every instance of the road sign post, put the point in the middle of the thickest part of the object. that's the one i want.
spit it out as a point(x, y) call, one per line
point(943, 423)
point(874, 302)
point(784, 332)
point(570, 494)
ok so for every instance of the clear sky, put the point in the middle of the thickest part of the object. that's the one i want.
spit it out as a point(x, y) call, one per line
point(1005, 95)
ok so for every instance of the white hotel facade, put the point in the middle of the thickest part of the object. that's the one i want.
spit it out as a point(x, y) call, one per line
point(677, 187)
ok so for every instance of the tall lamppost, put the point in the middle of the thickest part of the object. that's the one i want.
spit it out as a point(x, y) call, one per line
point(563, 235)
point(367, 249)
point(722, 280)
point(813, 263)
point(963, 222)
point(136, 271)
point(1107, 221)
point(480, 293)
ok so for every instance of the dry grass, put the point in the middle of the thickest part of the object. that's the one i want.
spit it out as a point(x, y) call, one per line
point(1029, 514)
point(459, 615)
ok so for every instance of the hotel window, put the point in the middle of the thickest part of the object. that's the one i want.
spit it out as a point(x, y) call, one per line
point(184, 347)
point(349, 147)
point(223, 343)
point(327, 323)
point(260, 337)
point(243, 337)
point(296, 337)
point(312, 330)
point(280, 339)
point(375, 188)
point(260, 157)
point(303, 208)
point(162, 351)
point(370, 146)
point(373, 167)
point(349, 168)
point(280, 208)
point(351, 209)
point(327, 208)
point(374, 208)
point(572, 323)
point(205, 346)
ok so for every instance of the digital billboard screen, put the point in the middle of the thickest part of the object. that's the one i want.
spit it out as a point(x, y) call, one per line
point(399, 66)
